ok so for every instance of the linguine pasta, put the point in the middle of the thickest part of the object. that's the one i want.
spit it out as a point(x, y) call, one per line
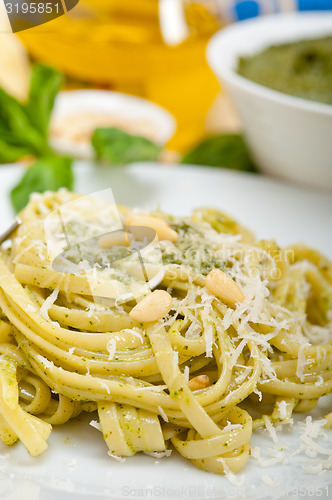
point(203, 376)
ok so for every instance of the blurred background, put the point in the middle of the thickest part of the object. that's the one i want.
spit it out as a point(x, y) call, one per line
point(148, 48)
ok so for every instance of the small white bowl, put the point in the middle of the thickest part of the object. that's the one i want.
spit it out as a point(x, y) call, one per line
point(289, 137)
point(77, 112)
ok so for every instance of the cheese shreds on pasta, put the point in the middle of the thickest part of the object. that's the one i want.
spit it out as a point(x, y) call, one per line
point(69, 343)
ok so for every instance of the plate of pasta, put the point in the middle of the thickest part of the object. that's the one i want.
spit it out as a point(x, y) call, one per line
point(168, 336)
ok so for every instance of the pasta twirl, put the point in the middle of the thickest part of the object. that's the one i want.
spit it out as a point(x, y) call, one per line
point(202, 377)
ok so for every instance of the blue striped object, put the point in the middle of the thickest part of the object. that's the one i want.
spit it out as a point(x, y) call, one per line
point(315, 4)
point(244, 9)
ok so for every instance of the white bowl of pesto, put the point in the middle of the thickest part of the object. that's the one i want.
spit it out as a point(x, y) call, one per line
point(289, 137)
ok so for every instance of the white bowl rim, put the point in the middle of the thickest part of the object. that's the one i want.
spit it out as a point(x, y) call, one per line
point(84, 97)
point(225, 72)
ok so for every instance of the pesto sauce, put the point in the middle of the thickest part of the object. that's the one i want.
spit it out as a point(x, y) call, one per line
point(301, 69)
point(191, 250)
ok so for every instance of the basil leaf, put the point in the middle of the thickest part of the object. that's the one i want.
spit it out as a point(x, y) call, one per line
point(50, 173)
point(15, 121)
point(10, 153)
point(227, 150)
point(118, 147)
point(44, 86)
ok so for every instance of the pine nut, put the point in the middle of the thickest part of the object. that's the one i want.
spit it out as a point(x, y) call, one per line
point(199, 382)
point(223, 287)
point(152, 307)
point(116, 238)
point(162, 228)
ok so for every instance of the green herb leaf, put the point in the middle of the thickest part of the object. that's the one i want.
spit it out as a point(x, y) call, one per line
point(19, 130)
point(44, 86)
point(50, 173)
point(118, 147)
point(11, 153)
point(228, 150)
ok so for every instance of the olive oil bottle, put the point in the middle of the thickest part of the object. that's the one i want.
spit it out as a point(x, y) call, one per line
point(124, 46)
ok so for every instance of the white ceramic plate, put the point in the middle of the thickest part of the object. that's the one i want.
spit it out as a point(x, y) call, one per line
point(76, 464)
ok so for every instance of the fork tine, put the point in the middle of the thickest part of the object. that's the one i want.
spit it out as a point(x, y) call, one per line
point(4, 236)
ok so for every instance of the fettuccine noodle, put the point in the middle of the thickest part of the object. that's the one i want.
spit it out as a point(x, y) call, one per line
point(200, 378)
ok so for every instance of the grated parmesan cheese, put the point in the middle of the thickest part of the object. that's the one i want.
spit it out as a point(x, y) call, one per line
point(231, 427)
point(282, 407)
point(259, 394)
point(270, 428)
point(111, 349)
point(163, 414)
point(301, 361)
point(208, 333)
point(116, 457)
point(176, 357)
point(235, 355)
point(36, 244)
point(96, 425)
point(91, 309)
point(242, 376)
point(269, 481)
point(276, 454)
point(194, 331)
point(44, 361)
point(186, 373)
point(232, 478)
point(157, 454)
point(104, 386)
point(310, 431)
point(48, 304)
